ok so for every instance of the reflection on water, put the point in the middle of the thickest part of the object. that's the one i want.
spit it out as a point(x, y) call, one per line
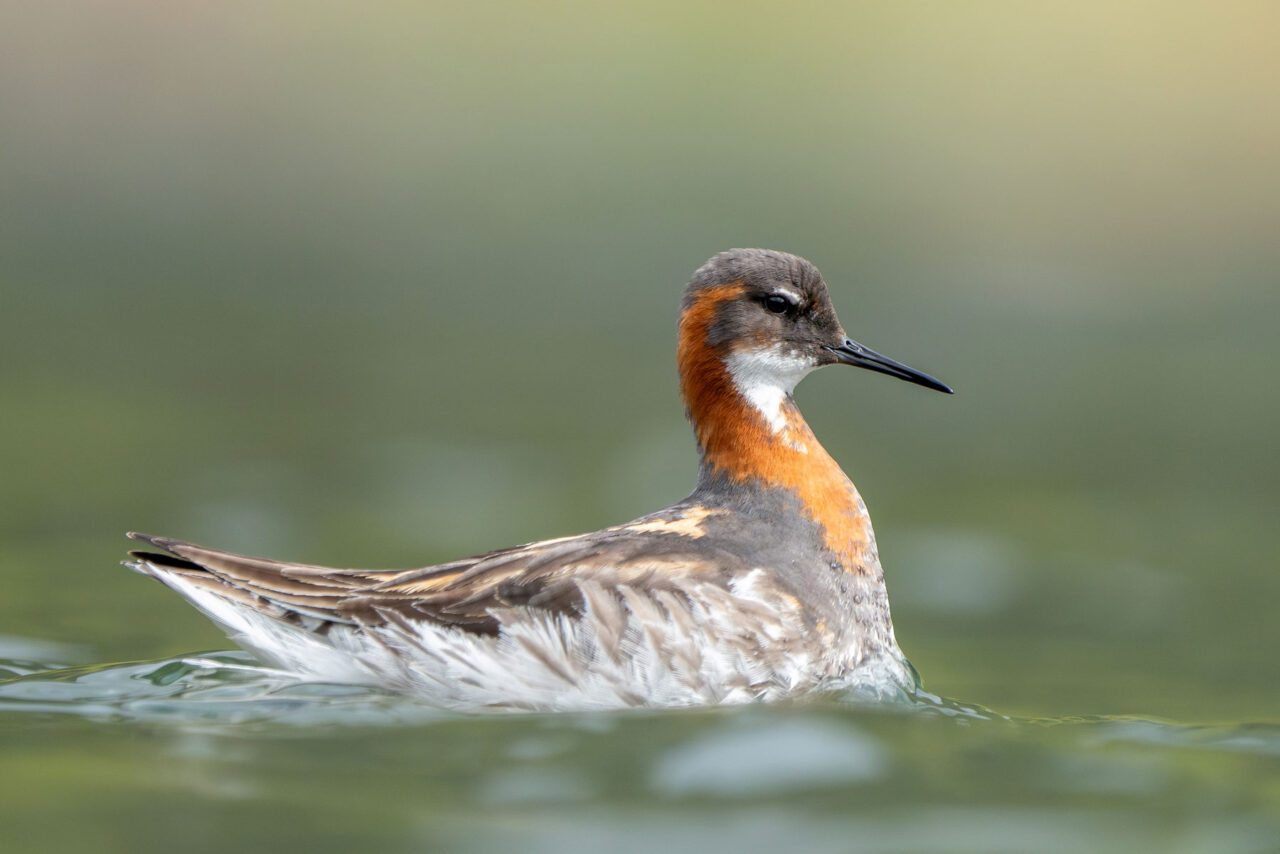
point(226, 688)
point(925, 774)
point(231, 688)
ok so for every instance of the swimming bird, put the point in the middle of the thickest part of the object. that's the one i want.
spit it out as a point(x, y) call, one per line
point(764, 583)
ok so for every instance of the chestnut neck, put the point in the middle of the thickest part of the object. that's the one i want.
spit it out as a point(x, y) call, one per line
point(738, 444)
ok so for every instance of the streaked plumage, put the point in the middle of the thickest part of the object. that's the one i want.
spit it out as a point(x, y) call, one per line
point(764, 583)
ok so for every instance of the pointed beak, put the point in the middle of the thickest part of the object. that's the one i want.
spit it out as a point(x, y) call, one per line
point(853, 353)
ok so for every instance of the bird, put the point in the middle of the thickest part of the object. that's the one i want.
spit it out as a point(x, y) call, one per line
point(763, 584)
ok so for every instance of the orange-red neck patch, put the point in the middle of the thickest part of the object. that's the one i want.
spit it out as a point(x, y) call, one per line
point(736, 440)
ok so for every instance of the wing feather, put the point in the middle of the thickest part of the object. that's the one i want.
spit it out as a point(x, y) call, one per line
point(464, 594)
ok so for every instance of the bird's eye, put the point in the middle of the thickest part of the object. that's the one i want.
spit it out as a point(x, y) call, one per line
point(778, 304)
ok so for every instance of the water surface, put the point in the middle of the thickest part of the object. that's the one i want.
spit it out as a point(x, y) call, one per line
point(209, 751)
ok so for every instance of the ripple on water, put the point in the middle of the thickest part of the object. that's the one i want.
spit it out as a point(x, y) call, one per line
point(214, 688)
point(231, 688)
point(925, 773)
point(768, 757)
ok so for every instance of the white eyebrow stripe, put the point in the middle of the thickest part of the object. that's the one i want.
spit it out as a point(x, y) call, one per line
point(791, 295)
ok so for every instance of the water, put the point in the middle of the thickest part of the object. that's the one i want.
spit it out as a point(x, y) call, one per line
point(212, 751)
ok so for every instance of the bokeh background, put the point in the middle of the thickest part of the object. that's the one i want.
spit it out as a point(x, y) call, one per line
point(384, 284)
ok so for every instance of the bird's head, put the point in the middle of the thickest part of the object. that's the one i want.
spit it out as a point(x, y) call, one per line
point(766, 317)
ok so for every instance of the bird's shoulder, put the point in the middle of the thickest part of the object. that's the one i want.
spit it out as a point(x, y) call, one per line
point(660, 550)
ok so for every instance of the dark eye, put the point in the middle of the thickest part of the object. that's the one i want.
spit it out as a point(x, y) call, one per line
point(778, 304)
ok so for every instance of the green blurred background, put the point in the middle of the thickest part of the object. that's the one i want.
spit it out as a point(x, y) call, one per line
point(382, 284)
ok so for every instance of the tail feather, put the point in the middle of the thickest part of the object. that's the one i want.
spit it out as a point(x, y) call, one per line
point(161, 559)
point(255, 605)
point(267, 586)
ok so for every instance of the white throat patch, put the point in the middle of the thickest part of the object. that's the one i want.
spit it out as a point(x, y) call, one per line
point(766, 377)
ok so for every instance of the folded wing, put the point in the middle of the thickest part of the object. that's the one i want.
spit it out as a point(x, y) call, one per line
point(468, 594)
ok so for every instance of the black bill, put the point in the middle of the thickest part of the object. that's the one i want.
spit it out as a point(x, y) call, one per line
point(853, 353)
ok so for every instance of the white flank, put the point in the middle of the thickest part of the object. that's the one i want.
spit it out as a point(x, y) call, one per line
point(766, 377)
point(693, 644)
